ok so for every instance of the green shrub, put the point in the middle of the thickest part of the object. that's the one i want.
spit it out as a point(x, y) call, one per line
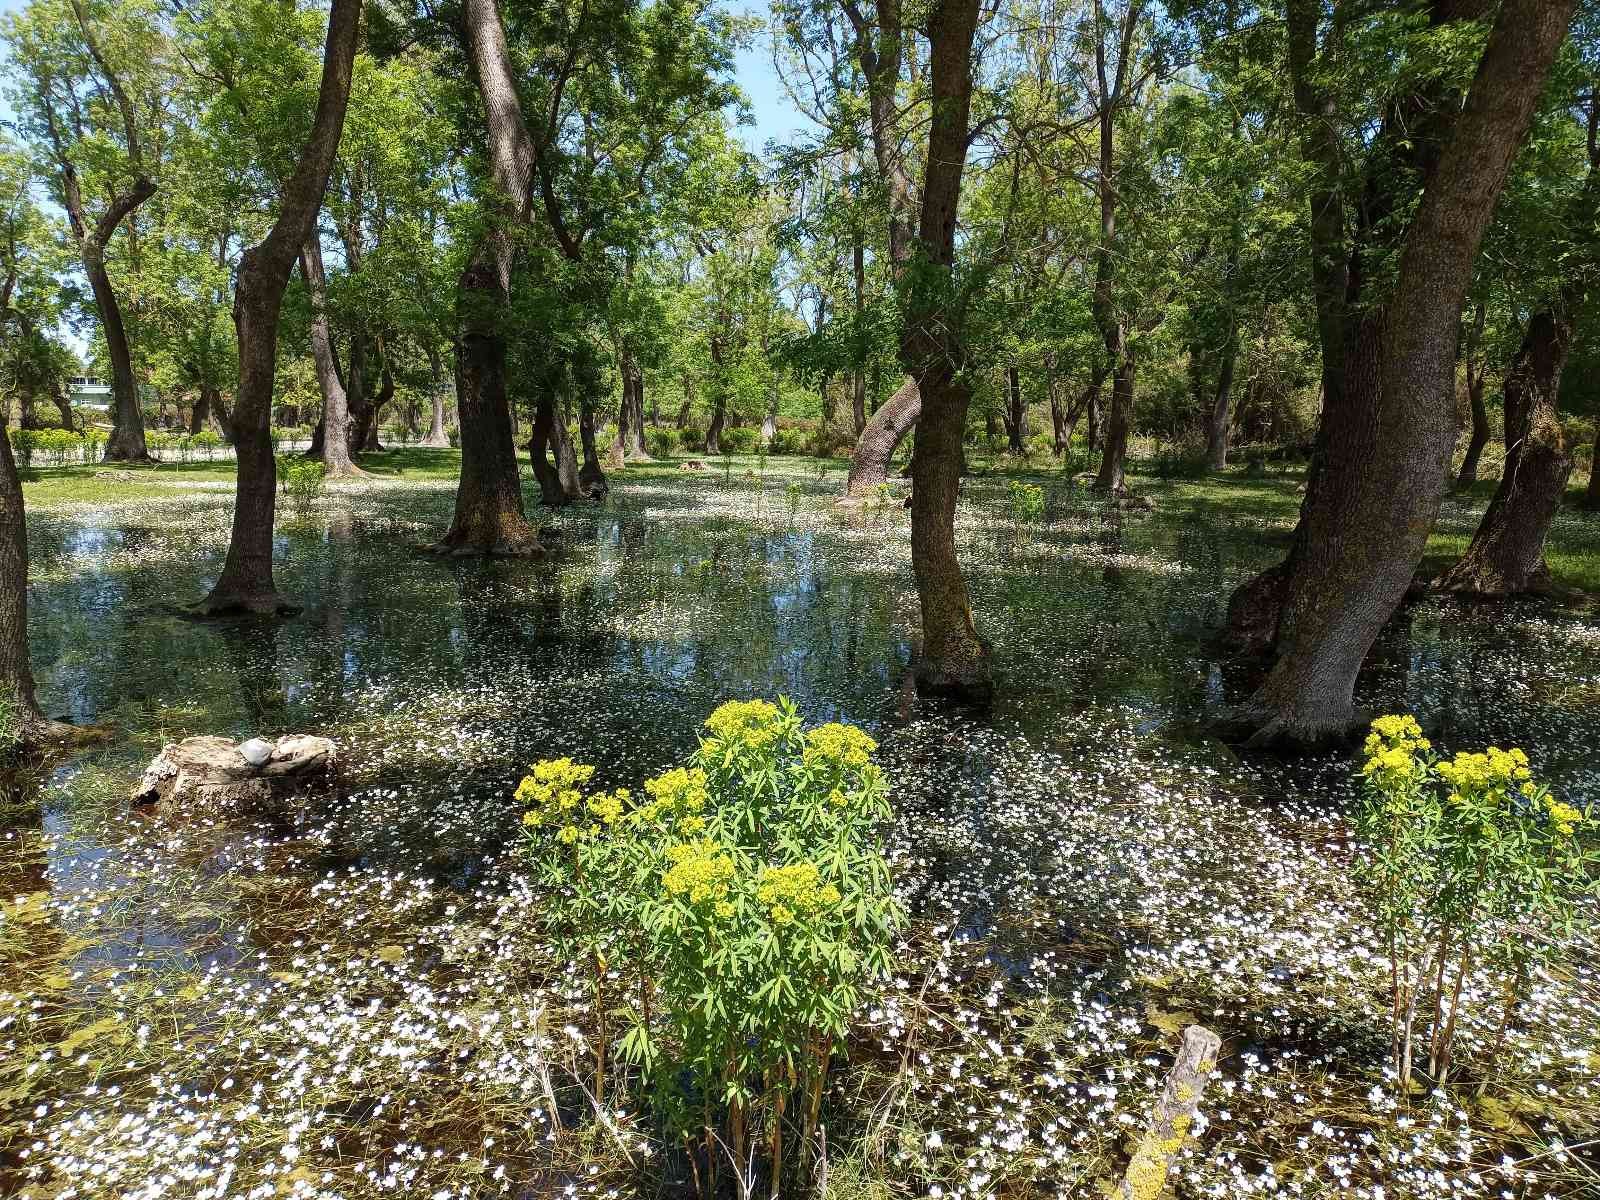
point(729, 920)
point(794, 493)
point(207, 442)
point(1026, 500)
point(24, 442)
point(1465, 861)
point(741, 440)
point(692, 438)
point(1184, 459)
point(302, 480)
point(660, 442)
point(791, 441)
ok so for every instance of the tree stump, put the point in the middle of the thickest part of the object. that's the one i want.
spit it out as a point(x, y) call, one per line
point(1172, 1116)
point(216, 776)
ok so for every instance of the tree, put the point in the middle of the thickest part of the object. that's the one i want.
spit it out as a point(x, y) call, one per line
point(77, 101)
point(1389, 353)
point(246, 582)
point(953, 658)
point(489, 517)
point(1506, 555)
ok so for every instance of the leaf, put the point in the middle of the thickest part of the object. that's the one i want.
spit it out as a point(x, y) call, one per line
point(79, 1038)
point(391, 954)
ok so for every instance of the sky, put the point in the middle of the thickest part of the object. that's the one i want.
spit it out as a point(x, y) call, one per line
point(774, 115)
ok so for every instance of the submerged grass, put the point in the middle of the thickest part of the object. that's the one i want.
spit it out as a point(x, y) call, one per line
point(355, 1002)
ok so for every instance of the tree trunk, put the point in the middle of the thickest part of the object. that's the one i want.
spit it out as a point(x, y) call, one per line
point(953, 659)
point(1468, 475)
point(246, 582)
point(437, 437)
point(1506, 556)
point(592, 477)
point(1389, 422)
point(1017, 426)
point(629, 442)
point(367, 440)
point(634, 446)
point(331, 440)
point(200, 417)
point(684, 413)
point(126, 443)
point(875, 448)
point(16, 672)
point(1114, 459)
point(1217, 419)
point(559, 484)
point(489, 517)
point(719, 415)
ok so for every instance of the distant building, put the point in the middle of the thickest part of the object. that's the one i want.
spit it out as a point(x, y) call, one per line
point(85, 391)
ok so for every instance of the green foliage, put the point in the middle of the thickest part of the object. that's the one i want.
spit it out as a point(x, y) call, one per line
point(302, 480)
point(742, 440)
point(1026, 500)
point(731, 918)
point(1465, 860)
point(661, 443)
point(10, 724)
point(691, 438)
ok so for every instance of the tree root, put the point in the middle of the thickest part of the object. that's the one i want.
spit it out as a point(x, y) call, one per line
point(226, 605)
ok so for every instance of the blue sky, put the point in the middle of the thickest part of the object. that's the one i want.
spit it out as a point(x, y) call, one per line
point(775, 117)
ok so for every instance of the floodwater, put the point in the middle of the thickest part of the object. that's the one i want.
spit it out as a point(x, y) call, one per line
point(1081, 843)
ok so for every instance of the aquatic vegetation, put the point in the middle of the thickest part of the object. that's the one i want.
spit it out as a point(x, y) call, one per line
point(1468, 857)
point(381, 988)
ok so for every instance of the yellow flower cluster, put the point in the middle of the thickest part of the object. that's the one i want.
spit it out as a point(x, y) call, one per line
point(700, 870)
point(1392, 747)
point(1493, 772)
point(551, 792)
point(679, 797)
point(752, 722)
point(838, 745)
point(554, 798)
point(1564, 817)
point(793, 890)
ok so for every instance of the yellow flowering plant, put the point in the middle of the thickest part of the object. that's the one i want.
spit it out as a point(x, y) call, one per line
point(1467, 860)
point(747, 897)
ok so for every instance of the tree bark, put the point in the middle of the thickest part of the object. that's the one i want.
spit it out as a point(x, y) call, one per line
point(1114, 458)
point(246, 582)
point(437, 437)
point(1017, 426)
point(16, 673)
point(1506, 556)
point(953, 659)
point(1218, 418)
point(1479, 438)
point(591, 477)
point(875, 449)
point(333, 445)
point(489, 517)
point(1389, 422)
point(879, 47)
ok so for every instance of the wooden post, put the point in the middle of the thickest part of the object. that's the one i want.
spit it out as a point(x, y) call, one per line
point(1172, 1116)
